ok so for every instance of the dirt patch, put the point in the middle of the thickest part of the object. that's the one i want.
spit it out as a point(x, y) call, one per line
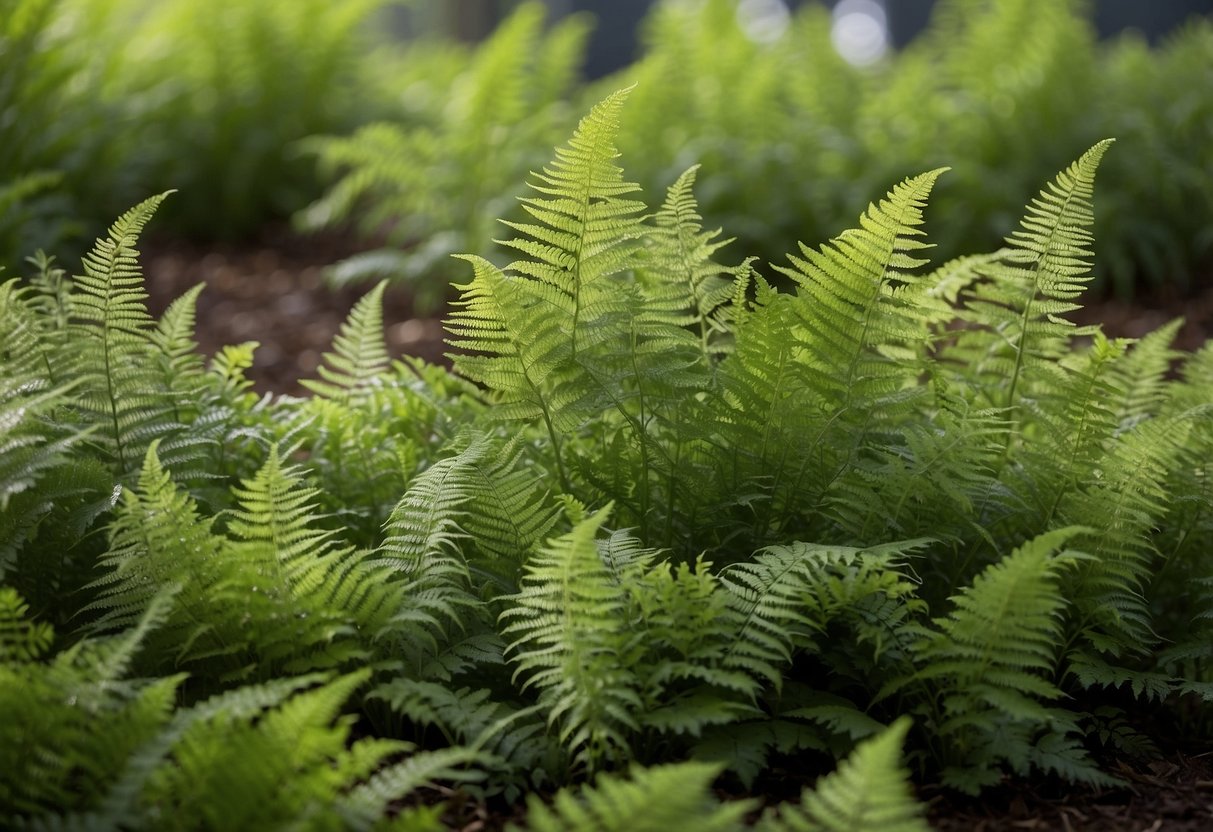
point(273, 291)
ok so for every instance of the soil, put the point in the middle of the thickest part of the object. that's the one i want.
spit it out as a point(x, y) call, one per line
point(273, 291)
point(1168, 795)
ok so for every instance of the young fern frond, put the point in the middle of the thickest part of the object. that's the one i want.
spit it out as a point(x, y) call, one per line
point(858, 328)
point(650, 800)
point(586, 233)
point(359, 354)
point(869, 792)
point(1044, 266)
point(682, 285)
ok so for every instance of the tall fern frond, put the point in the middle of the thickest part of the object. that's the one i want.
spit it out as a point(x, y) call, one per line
point(1044, 266)
point(109, 307)
point(586, 230)
point(683, 286)
point(858, 329)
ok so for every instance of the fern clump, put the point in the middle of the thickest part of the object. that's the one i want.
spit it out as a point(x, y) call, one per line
point(671, 525)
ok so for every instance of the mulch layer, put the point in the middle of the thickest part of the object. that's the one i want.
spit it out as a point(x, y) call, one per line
point(273, 291)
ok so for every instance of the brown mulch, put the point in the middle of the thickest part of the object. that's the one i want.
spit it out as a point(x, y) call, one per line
point(1169, 795)
point(272, 291)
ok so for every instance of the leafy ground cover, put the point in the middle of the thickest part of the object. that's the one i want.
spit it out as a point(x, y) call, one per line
point(689, 537)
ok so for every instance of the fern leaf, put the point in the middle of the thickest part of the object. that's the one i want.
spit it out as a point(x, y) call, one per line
point(566, 641)
point(649, 800)
point(683, 286)
point(109, 304)
point(359, 354)
point(1044, 266)
point(869, 792)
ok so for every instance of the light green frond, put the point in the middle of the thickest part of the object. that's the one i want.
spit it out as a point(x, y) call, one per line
point(358, 355)
point(159, 540)
point(649, 800)
point(870, 792)
point(1044, 267)
point(587, 231)
point(858, 329)
point(124, 394)
point(683, 286)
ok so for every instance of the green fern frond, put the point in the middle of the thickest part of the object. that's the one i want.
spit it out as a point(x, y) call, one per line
point(994, 659)
point(870, 792)
point(515, 738)
point(586, 232)
point(858, 329)
point(1043, 268)
point(566, 641)
point(109, 306)
point(777, 600)
point(67, 724)
point(359, 354)
point(649, 800)
point(315, 603)
point(683, 286)
point(21, 640)
point(158, 540)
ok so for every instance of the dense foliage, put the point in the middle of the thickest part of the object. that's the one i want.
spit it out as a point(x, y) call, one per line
point(798, 138)
point(102, 100)
point(664, 523)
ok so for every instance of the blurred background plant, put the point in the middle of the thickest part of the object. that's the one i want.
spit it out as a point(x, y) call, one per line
point(432, 181)
point(57, 142)
point(217, 93)
point(382, 120)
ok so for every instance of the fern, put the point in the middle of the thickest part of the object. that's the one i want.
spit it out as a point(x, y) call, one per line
point(70, 722)
point(868, 792)
point(651, 799)
point(359, 355)
point(566, 643)
point(1044, 267)
point(109, 307)
point(992, 661)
